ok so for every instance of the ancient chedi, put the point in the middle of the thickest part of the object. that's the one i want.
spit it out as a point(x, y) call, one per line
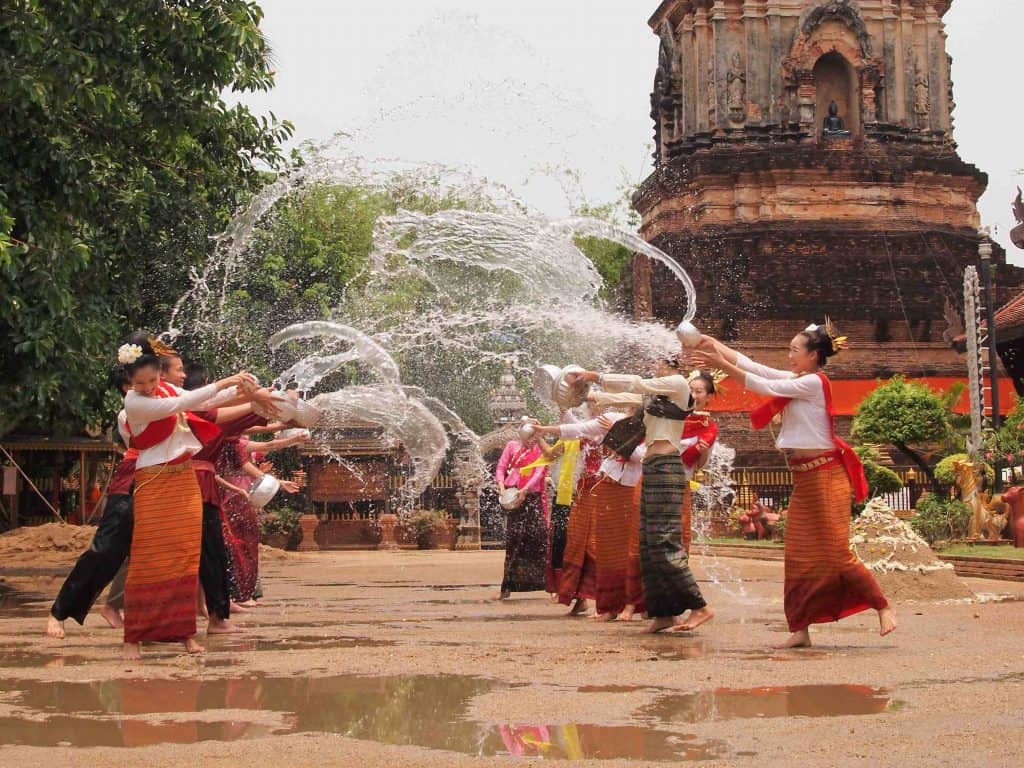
point(805, 165)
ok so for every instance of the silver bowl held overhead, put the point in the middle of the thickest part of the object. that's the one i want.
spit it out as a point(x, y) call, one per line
point(550, 381)
point(297, 411)
point(688, 334)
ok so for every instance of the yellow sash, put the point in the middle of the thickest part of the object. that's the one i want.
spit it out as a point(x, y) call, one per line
point(566, 486)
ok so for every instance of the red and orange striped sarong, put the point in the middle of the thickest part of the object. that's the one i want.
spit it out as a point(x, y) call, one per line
point(579, 562)
point(160, 595)
point(613, 515)
point(824, 579)
point(634, 581)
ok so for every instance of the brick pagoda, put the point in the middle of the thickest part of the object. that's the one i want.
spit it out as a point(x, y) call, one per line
point(780, 220)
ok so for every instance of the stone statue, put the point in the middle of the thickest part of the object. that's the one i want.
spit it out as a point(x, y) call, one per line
point(833, 127)
point(989, 515)
point(737, 88)
point(922, 102)
point(1017, 233)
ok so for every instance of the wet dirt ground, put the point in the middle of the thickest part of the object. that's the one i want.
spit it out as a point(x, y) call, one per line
point(400, 659)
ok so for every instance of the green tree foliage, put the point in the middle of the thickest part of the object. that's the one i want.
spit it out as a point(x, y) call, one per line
point(119, 158)
point(881, 479)
point(906, 415)
point(945, 474)
point(940, 519)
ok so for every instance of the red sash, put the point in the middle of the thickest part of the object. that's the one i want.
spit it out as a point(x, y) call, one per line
point(761, 416)
point(161, 429)
point(704, 429)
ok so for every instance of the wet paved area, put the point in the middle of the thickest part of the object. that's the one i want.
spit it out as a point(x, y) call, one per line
point(376, 659)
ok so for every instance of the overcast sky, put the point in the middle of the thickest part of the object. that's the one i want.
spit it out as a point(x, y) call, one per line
point(522, 90)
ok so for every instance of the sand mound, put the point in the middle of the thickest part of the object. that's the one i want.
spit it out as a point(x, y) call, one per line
point(273, 553)
point(904, 564)
point(43, 539)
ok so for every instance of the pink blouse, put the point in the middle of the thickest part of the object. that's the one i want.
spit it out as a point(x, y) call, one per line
point(512, 458)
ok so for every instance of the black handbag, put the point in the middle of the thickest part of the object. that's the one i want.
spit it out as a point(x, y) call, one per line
point(626, 434)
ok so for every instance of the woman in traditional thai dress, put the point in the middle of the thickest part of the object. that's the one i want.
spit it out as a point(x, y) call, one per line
point(525, 527)
point(237, 473)
point(699, 435)
point(824, 580)
point(594, 566)
point(670, 589)
point(161, 590)
point(564, 456)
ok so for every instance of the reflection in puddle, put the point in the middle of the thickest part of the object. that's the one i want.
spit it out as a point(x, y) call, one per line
point(675, 650)
point(26, 658)
point(424, 711)
point(795, 701)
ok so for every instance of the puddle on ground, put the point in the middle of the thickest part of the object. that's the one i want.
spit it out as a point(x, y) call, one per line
point(674, 650)
point(793, 701)
point(236, 643)
point(15, 604)
point(26, 658)
point(423, 711)
point(612, 688)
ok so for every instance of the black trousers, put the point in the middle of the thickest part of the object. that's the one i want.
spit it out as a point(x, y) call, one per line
point(99, 563)
point(110, 547)
point(213, 563)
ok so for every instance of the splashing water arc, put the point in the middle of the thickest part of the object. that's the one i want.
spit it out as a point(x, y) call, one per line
point(492, 283)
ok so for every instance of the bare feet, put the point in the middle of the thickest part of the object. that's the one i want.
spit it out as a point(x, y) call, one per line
point(236, 608)
point(696, 618)
point(887, 621)
point(627, 614)
point(54, 628)
point(250, 604)
point(602, 617)
point(219, 626)
point(578, 608)
point(503, 595)
point(661, 623)
point(191, 646)
point(799, 639)
point(132, 652)
point(112, 616)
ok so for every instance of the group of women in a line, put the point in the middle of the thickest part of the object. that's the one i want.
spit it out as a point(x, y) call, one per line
point(178, 534)
point(619, 532)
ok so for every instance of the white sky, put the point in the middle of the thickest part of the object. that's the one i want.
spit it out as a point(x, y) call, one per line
point(513, 88)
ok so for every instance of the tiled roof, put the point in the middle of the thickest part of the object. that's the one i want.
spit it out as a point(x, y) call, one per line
point(1010, 315)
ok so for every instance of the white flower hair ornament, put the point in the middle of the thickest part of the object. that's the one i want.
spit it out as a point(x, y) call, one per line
point(128, 353)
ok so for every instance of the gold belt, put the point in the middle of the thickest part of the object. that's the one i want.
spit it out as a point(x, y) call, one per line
point(816, 463)
point(166, 469)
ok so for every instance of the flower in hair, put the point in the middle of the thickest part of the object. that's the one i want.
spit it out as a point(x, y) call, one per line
point(128, 353)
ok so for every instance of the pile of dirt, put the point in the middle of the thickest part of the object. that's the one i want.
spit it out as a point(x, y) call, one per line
point(44, 544)
point(273, 553)
point(904, 564)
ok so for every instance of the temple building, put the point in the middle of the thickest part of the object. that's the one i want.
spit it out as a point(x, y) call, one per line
point(805, 166)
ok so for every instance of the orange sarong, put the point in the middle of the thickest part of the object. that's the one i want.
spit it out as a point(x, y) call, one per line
point(579, 562)
point(163, 571)
point(613, 515)
point(824, 579)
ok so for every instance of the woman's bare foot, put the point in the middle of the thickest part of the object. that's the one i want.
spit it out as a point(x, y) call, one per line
point(602, 616)
point(250, 604)
point(661, 623)
point(191, 646)
point(799, 639)
point(578, 608)
point(553, 597)
point(132, 652)
point(219, 626)
point(503, 595)
point(112, 616)
point(236, 608)
point(54, 628)
point(627, 614)
point(887, 621)
point(695, 619)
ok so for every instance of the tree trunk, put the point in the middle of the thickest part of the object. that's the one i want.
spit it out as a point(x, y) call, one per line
point(923, 466)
